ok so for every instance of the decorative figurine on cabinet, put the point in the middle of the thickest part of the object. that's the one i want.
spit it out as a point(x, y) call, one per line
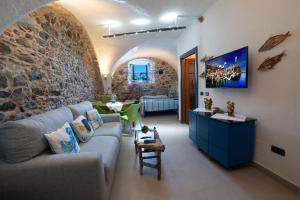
point(230, 108)
point(208, 103)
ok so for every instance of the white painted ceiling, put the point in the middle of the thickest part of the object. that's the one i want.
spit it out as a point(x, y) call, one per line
point(95, 14)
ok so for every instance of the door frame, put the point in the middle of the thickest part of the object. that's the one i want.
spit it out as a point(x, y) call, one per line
point(182, 57)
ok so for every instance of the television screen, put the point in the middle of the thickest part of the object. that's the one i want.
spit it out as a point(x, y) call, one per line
point(228, 70)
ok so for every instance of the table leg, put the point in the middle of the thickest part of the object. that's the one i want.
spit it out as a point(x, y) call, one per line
point(158, 158)
point(141, 159)
point(136, 149)
point(135, 141)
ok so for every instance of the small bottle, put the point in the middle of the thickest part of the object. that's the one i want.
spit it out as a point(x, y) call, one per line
point(113, 98)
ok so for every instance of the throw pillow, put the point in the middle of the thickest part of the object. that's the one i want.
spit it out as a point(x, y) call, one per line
point(82, 128)
point(95, 118)
point(63, 140)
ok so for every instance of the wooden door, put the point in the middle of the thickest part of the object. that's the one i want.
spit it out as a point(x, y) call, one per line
point(187, 87)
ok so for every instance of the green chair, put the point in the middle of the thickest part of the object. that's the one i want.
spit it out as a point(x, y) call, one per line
point(131, 114)
point(105, 98)
point(101, 110)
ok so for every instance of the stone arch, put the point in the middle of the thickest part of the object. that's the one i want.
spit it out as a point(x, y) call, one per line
point(164, 49)
point(46, 61)
point(166, 83)
point(13, 10)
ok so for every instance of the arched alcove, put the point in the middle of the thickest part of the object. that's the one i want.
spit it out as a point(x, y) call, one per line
point(165, 76)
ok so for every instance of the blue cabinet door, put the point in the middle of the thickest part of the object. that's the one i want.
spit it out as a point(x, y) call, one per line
point(202, 132)
point(241, 142)
point(219, 134)
point(193, 126)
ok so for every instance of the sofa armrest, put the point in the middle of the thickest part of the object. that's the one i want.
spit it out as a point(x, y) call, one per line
point(115, 117)
point(61, 176)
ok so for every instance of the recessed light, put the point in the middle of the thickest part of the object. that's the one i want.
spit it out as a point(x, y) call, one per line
point(140, 21)
point(168, 17)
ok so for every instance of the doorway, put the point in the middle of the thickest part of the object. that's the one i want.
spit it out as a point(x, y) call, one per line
point(189, 83)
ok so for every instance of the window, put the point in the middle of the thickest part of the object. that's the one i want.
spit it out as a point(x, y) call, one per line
point(141, 71)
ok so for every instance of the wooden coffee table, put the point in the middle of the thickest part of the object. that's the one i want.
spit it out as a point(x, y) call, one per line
point(142, 146)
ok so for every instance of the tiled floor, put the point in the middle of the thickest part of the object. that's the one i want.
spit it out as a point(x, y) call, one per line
point(188, 174)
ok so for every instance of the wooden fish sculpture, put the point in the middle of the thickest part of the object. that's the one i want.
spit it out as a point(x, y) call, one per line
point(203, 74)
point(206, 58)
point(269, 63)
point(274, 41)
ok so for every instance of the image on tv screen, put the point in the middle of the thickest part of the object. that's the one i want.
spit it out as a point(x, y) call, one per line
point(228, 70)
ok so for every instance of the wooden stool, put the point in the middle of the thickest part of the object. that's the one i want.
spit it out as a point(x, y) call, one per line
point(156, 147)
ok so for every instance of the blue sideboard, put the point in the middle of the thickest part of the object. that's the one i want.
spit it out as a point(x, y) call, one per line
point(230, 143)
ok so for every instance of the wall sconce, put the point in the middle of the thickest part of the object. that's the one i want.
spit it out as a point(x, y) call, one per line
point(105, 76)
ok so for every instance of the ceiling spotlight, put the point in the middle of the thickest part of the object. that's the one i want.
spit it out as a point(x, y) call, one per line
point(201, 19)
point(169, 17)
point(140, 21)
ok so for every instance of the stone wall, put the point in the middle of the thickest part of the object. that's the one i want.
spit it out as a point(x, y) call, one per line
point(166, 83)
point(46, 61)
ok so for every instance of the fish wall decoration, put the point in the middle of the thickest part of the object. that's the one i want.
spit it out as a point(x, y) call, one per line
point(274, 41)
point(269, 63)
point(203, 74)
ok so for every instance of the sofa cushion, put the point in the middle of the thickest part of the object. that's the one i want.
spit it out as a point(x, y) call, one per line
point(95, 118)
point(108, 146)
point(110, 129)
point(63, 140)
point(22, 140)
point(81, 109)
point(82, 128)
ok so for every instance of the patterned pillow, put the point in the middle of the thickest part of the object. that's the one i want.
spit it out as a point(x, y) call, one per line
point(63, 140)
point(82, 128)
point(95, 118)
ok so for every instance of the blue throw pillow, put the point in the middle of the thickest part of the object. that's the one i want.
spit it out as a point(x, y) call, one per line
point(63, 140)
point(82, 129)
point(86, 124)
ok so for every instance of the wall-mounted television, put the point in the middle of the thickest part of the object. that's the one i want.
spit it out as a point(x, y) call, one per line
point(228, 71)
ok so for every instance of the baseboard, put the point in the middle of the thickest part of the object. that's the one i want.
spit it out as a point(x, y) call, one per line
point(268, 172)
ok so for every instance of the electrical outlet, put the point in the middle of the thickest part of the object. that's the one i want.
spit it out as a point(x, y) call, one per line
point(278, 150)
point(201, 93)
point(207, 94)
